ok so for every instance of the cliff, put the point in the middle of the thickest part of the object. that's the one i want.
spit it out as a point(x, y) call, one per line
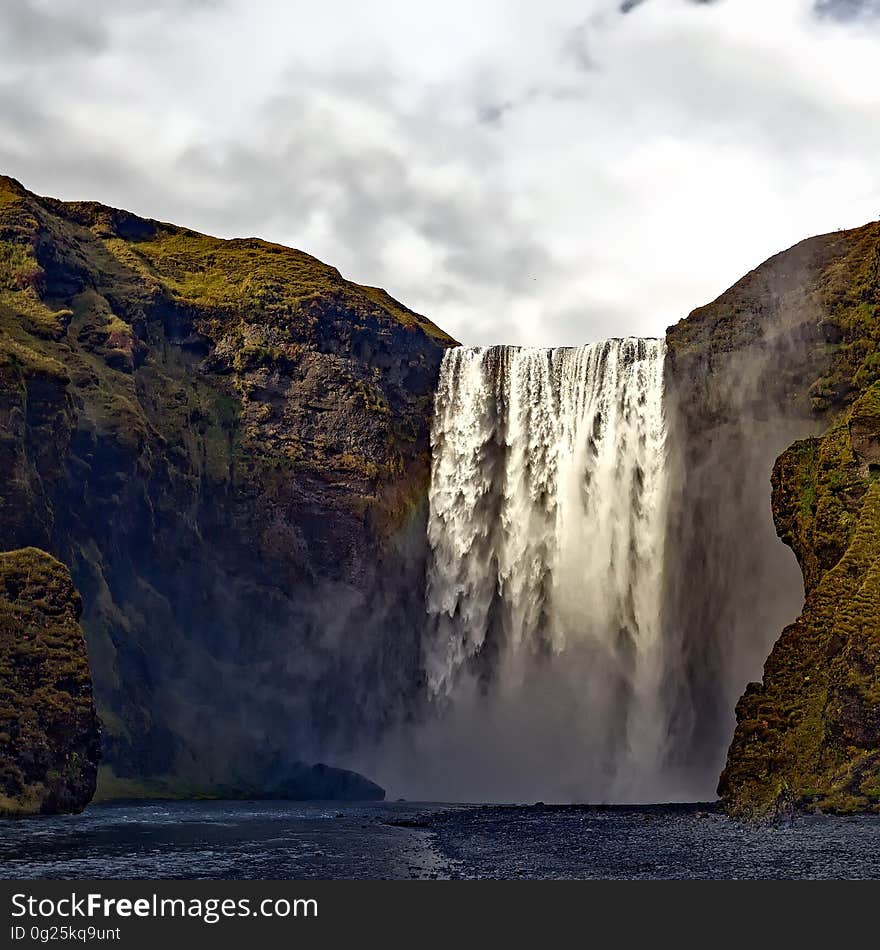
point(49, 738)
point(227, 443)
point(779, 380)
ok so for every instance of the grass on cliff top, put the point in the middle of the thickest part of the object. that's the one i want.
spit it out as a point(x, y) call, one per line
point(239, 276)
point(10, 190)
point(249, 273)
point(849, 289)
point(833, 279)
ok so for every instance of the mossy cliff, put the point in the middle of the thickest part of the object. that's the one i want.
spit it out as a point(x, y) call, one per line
point(779, 380)
point(227, 443)
point(809, 735)
point(49, 738)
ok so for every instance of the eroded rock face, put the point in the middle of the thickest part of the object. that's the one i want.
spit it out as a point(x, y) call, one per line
point(228, 444)
point(780, 358)
point(808, 735)
point(49, 737)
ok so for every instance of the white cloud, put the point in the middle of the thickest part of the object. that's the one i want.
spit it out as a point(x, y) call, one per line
point(536, 173)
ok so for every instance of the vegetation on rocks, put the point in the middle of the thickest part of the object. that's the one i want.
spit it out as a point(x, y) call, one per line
point(799, 340)
point(227, 442)
point(809, 735)
point(49, 738)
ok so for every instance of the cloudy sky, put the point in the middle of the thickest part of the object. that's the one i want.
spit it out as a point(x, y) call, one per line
point(524, 172)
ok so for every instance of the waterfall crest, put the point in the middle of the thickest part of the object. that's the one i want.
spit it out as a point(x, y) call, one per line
point(546, 528)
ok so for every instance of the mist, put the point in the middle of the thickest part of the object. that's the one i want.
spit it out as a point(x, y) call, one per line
point(591, 625)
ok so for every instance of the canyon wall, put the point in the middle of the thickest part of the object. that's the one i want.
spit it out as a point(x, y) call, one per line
point(227, 443)
point(808, 735)
point(787, 354)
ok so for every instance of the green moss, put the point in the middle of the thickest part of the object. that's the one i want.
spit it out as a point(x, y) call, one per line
point(48, 727)
point(866, 409)
point(372, 397)
point(30, 360)
point(809, 735)
point(18, 266)
point(805, 457)
point(248, 275)
point(824, 671)
point(111, 787)
point(849, 290)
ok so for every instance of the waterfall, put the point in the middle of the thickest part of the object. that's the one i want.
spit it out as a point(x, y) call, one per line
point(545, 656)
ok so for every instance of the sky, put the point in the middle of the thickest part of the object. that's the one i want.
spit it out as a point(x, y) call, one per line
point(540, 173)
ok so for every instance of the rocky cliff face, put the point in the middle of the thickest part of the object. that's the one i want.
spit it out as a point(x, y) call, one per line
point(788, 355)
point(227, 443)
point(49, 738)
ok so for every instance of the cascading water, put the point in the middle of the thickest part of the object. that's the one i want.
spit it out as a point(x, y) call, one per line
point(544, 657)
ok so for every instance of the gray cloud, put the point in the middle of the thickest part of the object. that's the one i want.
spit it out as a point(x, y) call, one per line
point(627, 6)
point(833, 9)
point(549, 175)
point(33, 29)
point(299, 165)
point(40, 28)
point(847, 10)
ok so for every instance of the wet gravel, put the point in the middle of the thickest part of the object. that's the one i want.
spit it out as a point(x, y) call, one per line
point(284, 840)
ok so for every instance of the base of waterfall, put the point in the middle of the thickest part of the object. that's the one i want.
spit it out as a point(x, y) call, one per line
point(525, 740)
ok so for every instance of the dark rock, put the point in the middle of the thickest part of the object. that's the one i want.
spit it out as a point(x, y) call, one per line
point(740, 374)
point(792, 352)
point(324, 783)
point(227, 443)
point(49, 735)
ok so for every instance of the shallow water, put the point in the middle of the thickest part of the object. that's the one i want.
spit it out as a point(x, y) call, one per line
point(287, 840)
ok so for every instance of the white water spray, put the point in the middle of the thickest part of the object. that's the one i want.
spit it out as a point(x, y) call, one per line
point(546, 527)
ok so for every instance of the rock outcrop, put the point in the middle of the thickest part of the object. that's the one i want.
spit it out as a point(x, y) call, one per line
point(808, 736)
point(49, 736)
point(791, 354)
point(227, 443)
